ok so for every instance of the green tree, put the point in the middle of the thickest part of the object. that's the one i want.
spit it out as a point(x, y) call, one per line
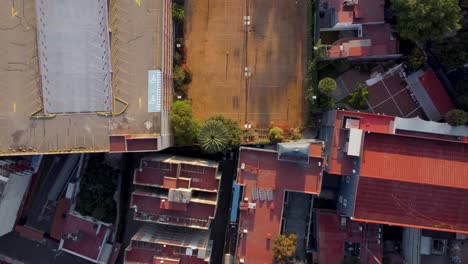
point(284, 246)
point(417, 58)
point(276, 135)
point(456, 117)
point(423, 20)
point(213, 137)
point(327, 86)
point(184, 127)
point(178, 76)
point(357, 99)
point(232, 128)
point(178, 13)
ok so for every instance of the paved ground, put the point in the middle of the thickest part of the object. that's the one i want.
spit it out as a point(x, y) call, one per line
point(32, 252)
point(272, 47)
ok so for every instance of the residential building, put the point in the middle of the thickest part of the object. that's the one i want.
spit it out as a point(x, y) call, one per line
point(86, 238)
point(355, 28)
point(339, 238)
point(397, 171)
point(429, 91)
point(177, 198)
point(278, 189)
point(91, 83)
point(15, 175)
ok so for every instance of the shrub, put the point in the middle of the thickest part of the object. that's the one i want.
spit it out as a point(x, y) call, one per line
point(276, 135)
point(184, 128)
point(178, 13)
point(456, 117)
point(213, 137)
point(357, 99)
point(232, 128)
point(178, 76)
point(327, 86)
point(416, 59)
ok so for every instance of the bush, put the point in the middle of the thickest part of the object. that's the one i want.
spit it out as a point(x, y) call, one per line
point(249, 136)
point(188, 75)
point(358, 99)
point(184, 127)
point(456, 117)
point(178, 76)
point(284, 246)
point(327, 86)
point(233, 131)
point(178, 13)
point(213, 137)
point(276, 135)
point(416, 59)
point(294, 134)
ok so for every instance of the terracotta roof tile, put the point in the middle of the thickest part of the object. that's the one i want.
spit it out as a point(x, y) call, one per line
point(436, 91)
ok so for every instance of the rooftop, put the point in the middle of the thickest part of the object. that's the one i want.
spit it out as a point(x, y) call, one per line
point(429, 91)
point(84, 237)
point(332, 237)
point(74, 56)
point(159, 209)
point(265, 180)
point(27, 129)
point(363, 11)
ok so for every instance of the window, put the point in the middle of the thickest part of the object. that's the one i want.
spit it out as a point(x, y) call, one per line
point(439, 246)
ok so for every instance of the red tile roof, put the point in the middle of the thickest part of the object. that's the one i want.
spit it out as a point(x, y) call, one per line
point(412, 204)
point(332, 237)
point(436, 91)
point(264, 171)
point(88, 243)
point(63, 206)
point(339, 162)
point(418, 160)
point(364, 12)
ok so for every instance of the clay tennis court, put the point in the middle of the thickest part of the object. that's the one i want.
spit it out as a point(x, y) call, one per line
point(220, 46)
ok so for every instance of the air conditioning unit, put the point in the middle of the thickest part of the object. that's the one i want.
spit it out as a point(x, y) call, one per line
point(241, 260)
point(245, 231)
point(242, 166)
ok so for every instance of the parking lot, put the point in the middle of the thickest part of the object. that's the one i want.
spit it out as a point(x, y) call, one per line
point(272, 47)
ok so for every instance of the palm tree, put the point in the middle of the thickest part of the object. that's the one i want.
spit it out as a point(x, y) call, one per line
point(213, 137)
point(358, 99)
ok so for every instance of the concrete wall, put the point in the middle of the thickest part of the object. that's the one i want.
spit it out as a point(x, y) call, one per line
point(11, 201)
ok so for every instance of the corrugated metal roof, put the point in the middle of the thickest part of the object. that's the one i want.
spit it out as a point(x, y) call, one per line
point(419, 125)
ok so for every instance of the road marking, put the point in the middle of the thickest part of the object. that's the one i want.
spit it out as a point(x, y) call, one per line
point(14, 107)
point(14, 13)
point(139, 102)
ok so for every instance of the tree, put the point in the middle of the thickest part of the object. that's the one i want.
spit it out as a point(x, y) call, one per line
point(416, 58)
point(276, 135)
point(178, 13)
point(456, 117)
point(423, 20)
point(284, 246)
point(358, 99)
point(232, 128)
point(184, 128)
point(178, 76)
point(213, 137)
point(327, 86)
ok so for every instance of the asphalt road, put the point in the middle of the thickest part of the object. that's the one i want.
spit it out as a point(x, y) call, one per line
point(27, 251)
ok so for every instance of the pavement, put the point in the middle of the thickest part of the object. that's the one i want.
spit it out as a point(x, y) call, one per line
point(28, 251)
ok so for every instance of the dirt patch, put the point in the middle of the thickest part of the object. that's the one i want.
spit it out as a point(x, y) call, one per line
point(220, 46)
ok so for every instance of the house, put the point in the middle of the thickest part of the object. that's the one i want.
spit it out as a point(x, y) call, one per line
point(355, 28)
point(417, 169)
point(177, 198)
point(15, 175)
point(277, 192)
point(430, 92)
point(86, 238)
point(339, 238)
